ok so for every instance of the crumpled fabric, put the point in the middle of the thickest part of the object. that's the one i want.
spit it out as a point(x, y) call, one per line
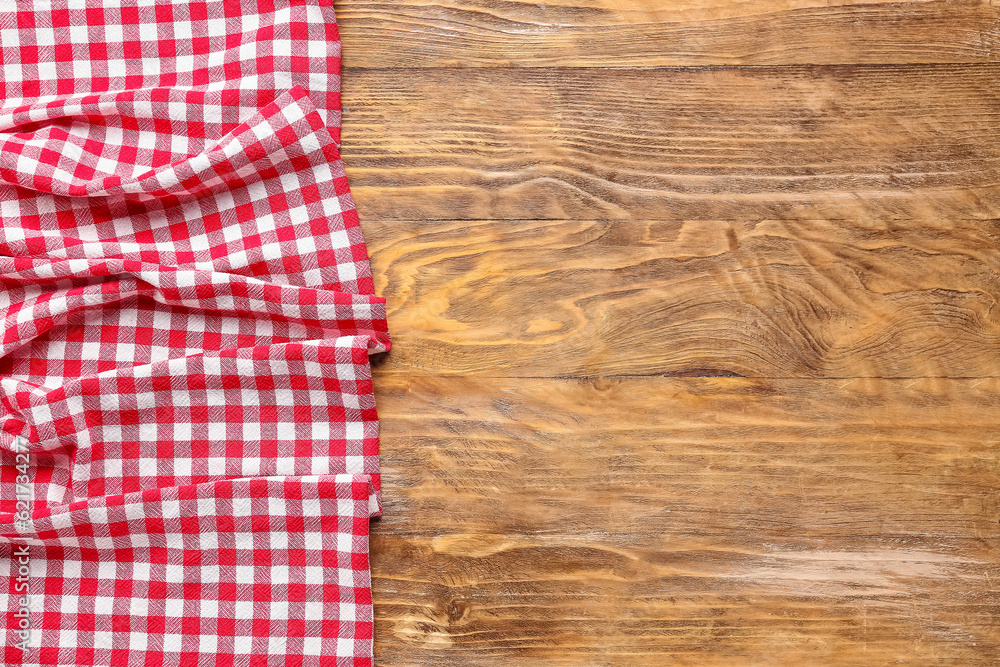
point(187, 313)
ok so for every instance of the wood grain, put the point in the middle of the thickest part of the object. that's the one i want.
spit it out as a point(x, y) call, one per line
point(858, 142)
point(695, 329)
point(688, 521)
point(774, 298)
point(630, 33)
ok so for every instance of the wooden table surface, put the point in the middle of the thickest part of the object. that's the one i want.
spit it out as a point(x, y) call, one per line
point(696, 326)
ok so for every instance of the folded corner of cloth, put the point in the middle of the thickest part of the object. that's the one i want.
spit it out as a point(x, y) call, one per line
point(187, 415)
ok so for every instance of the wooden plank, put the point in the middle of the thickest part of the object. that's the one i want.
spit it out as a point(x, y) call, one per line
point(811, 142)
point(710, 521)
point(812, 298)
point(631, 33)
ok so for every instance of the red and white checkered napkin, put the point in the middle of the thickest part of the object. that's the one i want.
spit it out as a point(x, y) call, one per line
point(265, 571)
point(187, 311)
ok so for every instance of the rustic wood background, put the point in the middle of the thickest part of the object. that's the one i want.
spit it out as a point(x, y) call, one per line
point(696, 326)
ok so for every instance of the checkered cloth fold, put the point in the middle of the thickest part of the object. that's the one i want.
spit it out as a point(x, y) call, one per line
point(186, 314)
point(265, 571)
point(249, 357)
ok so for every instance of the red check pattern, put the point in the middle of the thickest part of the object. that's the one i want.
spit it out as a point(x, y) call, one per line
point(270, 199)
point(270, 315)
point(266, 571)
point(174, 74)
point(186, 314)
